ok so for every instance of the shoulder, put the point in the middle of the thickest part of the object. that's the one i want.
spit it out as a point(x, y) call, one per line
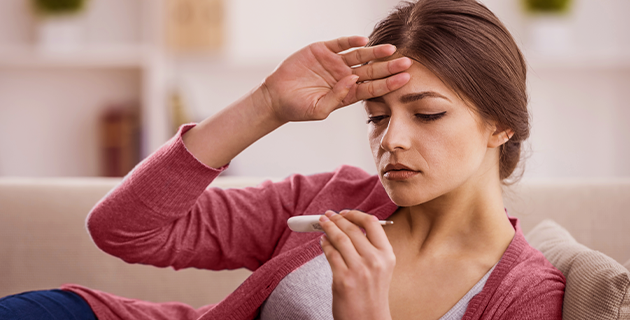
point(351, 172)
point(526, 266)
point(532, 288)
point(354, 174)
point(345, 187)
point(344, 175)
point(530, 267)
point(353, 182)
point(534, 275)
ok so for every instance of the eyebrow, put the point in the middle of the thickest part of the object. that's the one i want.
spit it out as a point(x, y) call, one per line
point(411, 97)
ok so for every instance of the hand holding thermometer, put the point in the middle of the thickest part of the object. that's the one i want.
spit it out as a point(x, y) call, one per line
point(310, 223)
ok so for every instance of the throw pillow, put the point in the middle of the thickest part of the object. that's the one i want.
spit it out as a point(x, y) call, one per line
point(598, 287)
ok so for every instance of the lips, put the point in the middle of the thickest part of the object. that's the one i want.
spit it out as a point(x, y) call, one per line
point(398, 171)
point(396, 167)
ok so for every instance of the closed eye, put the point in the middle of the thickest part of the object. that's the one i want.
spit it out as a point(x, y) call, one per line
point(430, 117)
point(421, 116)
point(375, 119)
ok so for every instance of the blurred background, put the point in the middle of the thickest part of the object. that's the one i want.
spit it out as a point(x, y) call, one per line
point(89, 88)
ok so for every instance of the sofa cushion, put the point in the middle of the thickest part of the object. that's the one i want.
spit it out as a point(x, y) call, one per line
point(598, 287)
point(44, 244)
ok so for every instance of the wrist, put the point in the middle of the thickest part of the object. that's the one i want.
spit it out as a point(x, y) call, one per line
point(221, 137)
point(263, 102)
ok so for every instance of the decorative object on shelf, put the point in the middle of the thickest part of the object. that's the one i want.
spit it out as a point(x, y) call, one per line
point(179, 112)
point(120, 139)
point(194, 25)
point(548, 6)
point(549, 24)
point(59, 24)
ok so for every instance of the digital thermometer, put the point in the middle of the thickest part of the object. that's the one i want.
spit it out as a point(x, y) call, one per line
point(310, 223)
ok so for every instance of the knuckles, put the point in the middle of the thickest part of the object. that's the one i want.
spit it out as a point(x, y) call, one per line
point(371, 271)
point(340, 239)
point(351, 281)
point(382, 262)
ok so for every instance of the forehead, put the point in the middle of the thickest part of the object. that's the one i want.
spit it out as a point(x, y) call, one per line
point(422, 79)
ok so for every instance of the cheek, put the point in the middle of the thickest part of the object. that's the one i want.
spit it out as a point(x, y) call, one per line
point(374, 138)
point(454, 150)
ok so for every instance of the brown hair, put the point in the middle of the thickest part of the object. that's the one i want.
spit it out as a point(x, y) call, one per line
point(468, 48)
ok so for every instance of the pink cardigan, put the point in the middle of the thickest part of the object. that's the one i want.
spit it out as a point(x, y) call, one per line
point(164, 214)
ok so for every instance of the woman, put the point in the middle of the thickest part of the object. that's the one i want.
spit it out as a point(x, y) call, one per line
point(443, 85)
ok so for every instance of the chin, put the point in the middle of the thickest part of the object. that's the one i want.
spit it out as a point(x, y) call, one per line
point(407, 194)
point(404, 203)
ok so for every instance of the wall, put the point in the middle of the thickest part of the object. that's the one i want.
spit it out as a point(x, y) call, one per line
point(49, 110)
point(43, 133)
point(578, 103)
point(578, 100)
point(261, 34)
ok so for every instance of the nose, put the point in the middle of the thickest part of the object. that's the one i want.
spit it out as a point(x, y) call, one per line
point(397, 135)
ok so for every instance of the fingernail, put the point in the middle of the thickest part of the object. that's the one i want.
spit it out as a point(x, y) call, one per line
point(329, 213)
point(323, 219)
point(353, 81)
point(343, 212)
point(375, 218)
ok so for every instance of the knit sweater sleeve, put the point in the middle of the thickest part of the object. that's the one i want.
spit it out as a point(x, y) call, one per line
point(164, 214)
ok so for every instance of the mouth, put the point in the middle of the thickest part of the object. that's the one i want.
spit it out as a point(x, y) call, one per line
point(398, 171)
point(396, 167)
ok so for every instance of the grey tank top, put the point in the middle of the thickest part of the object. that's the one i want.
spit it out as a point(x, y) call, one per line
point(306, 294)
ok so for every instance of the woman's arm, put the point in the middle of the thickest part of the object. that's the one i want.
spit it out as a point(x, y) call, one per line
point(218, 139)
point(163, 214)
point(307, 86)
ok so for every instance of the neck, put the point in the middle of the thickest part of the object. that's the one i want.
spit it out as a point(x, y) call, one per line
point(469, 221)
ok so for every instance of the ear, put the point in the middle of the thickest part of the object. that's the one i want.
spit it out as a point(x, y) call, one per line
point(499, 137)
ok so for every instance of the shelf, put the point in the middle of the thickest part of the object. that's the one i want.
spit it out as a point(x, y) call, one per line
point(129, 56)
point(579, 61)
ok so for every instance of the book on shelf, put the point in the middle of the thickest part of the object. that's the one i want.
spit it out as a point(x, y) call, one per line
point(120, 139)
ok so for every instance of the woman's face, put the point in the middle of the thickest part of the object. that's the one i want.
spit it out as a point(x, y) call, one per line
point(425, 140)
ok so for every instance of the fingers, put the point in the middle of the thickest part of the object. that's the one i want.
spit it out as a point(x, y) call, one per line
point(345, 43)
point(381, 87)
point(347, 224)
point(334, 99)
point(363, 55)
point(337, 264)
point(341, 241)
point(379, 70)
point(374, 230)
point(378, 78)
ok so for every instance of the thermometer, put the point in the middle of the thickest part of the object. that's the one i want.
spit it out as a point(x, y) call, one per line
point(310, 223)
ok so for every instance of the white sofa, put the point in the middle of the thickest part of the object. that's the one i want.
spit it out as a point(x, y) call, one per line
point(44, 243)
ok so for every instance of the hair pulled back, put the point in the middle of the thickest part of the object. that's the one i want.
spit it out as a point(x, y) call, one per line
point(469, 49)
